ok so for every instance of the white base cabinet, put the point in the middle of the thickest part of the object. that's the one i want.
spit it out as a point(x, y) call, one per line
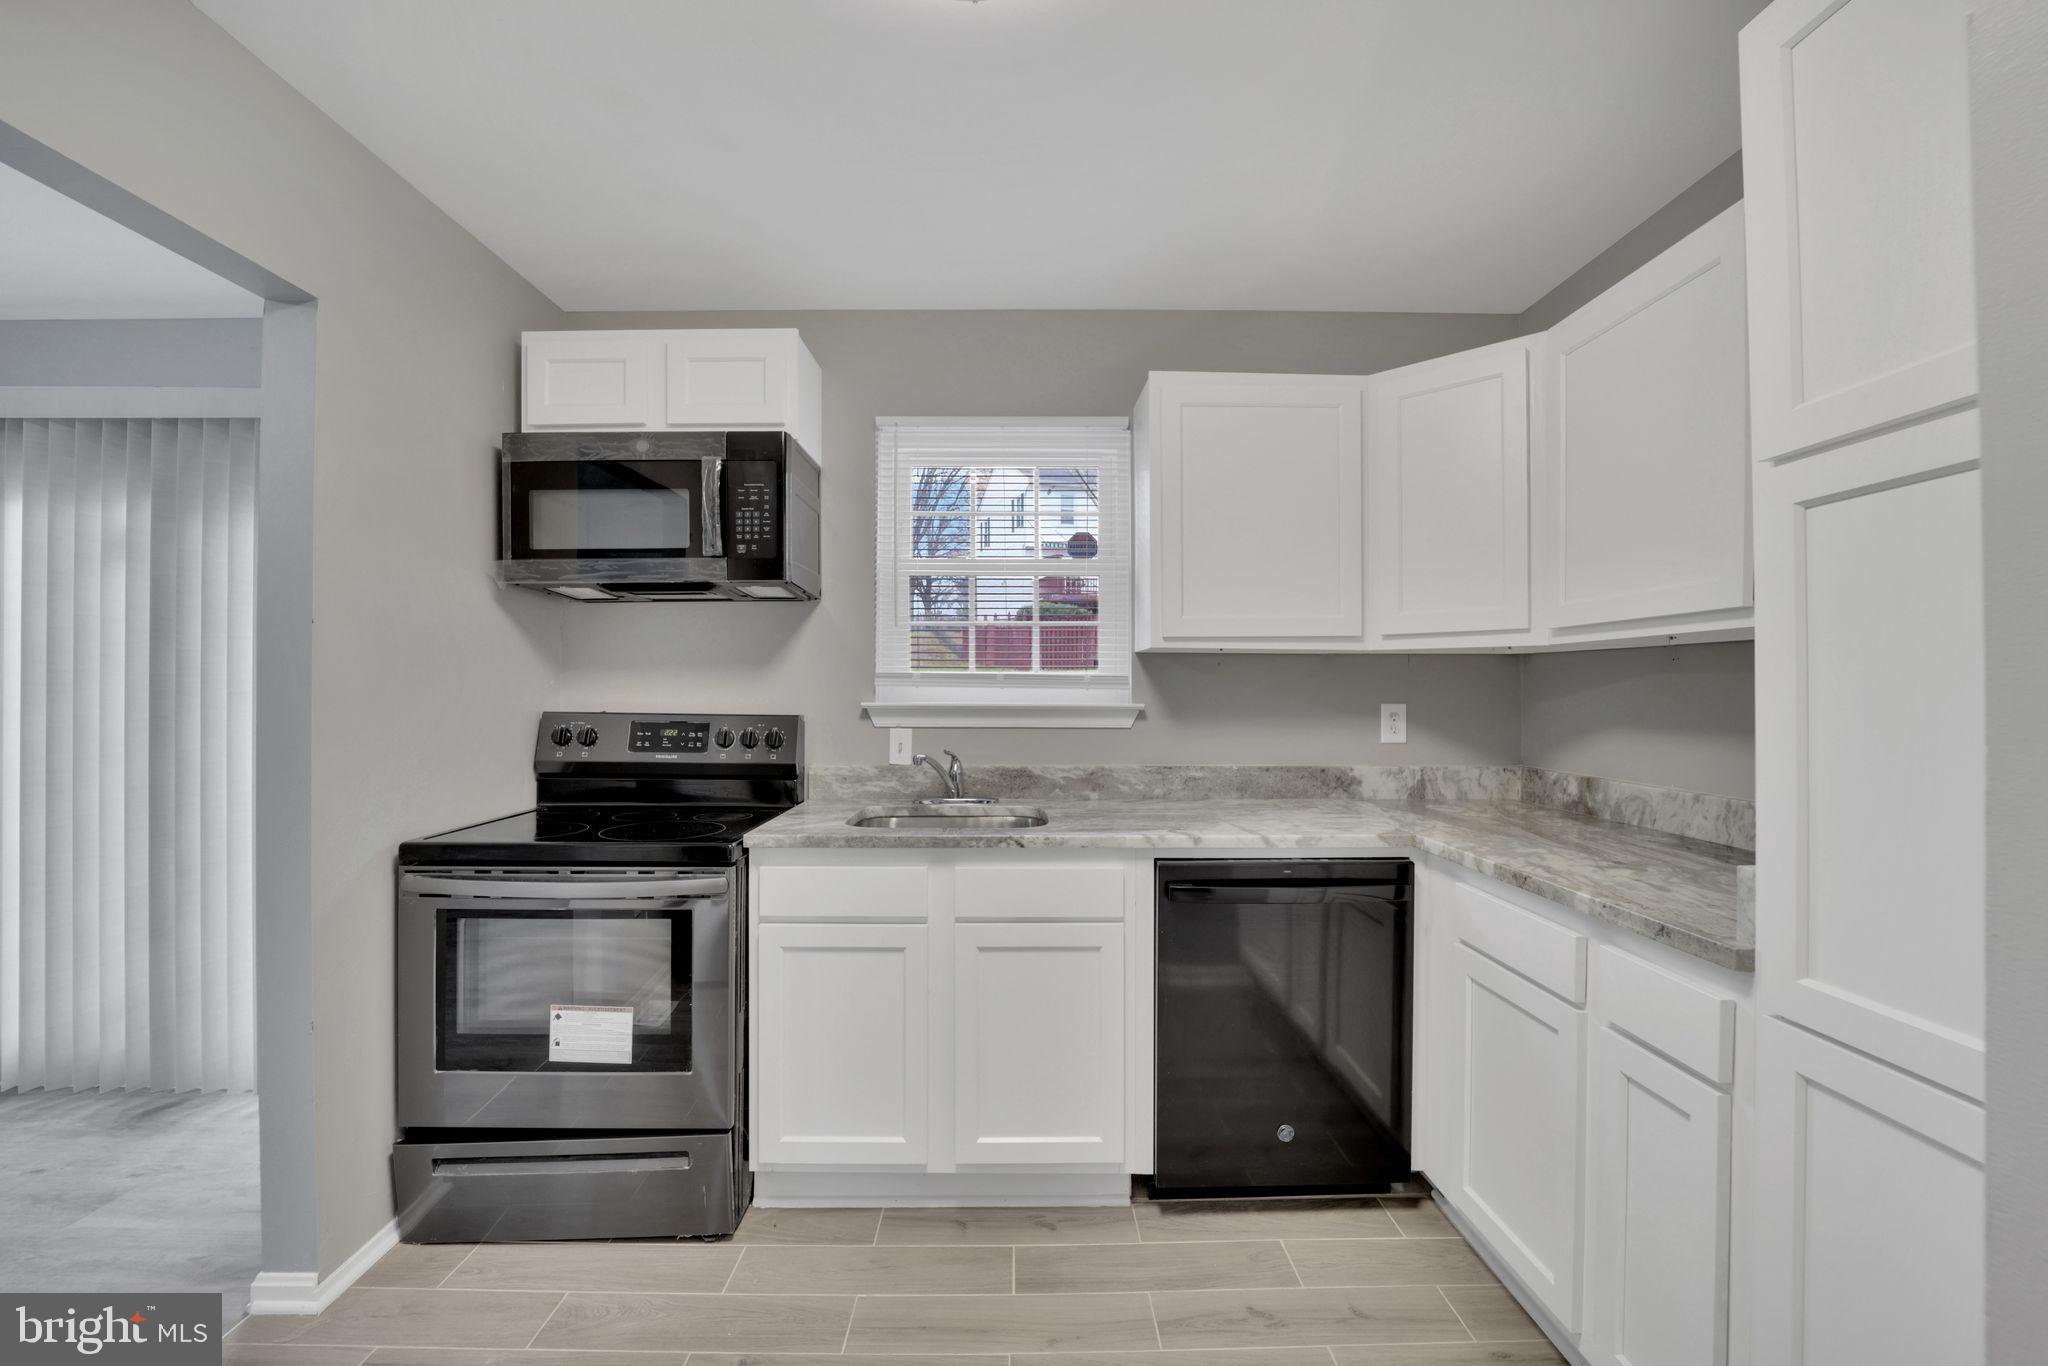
point(1579, 1095)
point(1657, 1237)
point(1038, 1038)
point(840, 1062)
point(969, 1012)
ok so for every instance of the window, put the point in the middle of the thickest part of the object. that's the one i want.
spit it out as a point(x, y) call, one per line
point(1003, 573)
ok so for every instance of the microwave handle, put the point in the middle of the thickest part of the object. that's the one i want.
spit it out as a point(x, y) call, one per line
point(713, 503)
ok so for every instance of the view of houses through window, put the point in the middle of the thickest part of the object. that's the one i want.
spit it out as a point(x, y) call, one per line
point(999, 597)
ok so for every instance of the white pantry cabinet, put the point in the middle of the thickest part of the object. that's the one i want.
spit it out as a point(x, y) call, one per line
point(1643, 485)
point(705, 379)
point(1447, 499)
point(1856, 165)
point(1250, 512)
point(1869, 1244)
point(1038, 1042)
point(1870, 864)
point(840, 1071)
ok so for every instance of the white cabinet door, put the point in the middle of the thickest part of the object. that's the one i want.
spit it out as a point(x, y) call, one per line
point(1516, 1125)
point(1254, 512)
point(1657, 1235)
point(1038, 1061)
point(735, 377)
point(1644, 506)
point(1869, 1239)
point(588, 380)
point(840, 1077)
point(1447, 495)
point(1856, 166)
point(1870, 747)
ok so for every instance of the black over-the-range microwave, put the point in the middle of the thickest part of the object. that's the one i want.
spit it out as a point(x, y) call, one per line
point(658, 516)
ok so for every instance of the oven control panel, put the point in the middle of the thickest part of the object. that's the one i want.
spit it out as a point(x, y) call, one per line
point(669, 738)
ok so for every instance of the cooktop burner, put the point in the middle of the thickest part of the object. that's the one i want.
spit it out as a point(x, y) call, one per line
point(667, 790)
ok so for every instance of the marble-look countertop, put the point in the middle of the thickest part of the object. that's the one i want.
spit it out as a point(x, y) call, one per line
point(1667, 887)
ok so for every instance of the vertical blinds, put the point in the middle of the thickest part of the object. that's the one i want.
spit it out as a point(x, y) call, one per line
point(127, 578)
point(1003, 555)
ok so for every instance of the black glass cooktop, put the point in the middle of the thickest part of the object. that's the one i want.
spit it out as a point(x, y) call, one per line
point(596, 834)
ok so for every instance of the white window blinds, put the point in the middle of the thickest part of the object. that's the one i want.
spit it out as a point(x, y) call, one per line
point(1003, 560)
point(127, 609)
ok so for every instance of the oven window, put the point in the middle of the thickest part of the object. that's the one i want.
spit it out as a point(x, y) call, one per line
point(500, 975)
point(603, 509)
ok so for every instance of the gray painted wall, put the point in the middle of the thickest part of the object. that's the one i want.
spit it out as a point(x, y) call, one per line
point(1677, 717)
point(1682, 716)
point(177, 353)
point(1694, 205)
point(2009, 89)
point(426, 678)
point(819, 659)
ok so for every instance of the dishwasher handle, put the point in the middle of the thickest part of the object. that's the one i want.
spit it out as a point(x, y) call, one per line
point(1276, 893)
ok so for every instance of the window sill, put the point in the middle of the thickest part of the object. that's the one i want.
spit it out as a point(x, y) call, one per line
point(1007, 715)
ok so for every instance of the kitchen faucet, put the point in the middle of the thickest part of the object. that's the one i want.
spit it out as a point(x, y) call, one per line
point(953, 774)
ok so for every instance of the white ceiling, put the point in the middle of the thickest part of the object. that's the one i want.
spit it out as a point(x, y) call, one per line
point(59, 259)
point(1459, 155)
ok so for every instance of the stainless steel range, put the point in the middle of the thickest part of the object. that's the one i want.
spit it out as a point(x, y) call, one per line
point(571, 1013)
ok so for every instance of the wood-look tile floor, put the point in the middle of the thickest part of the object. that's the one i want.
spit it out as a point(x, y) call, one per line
point(1358, 1282)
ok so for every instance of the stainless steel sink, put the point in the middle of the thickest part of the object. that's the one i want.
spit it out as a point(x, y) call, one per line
point(941, 818)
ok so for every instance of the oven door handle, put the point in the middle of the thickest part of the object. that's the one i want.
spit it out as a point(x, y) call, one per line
point(566, 890)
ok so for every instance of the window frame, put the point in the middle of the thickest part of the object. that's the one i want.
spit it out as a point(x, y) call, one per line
point(1028, 699)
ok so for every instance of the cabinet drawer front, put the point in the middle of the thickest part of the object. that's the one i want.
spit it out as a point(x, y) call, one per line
point(1027, 892)
point(890, 892)
point(1539, 949)
point(1689, 1024)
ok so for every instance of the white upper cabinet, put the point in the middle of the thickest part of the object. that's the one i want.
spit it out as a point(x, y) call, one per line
point(712, 379)
point(588, 380)
point(1856, 167)
point(1251, 511)
point(1644, 486)
point(1447, 497)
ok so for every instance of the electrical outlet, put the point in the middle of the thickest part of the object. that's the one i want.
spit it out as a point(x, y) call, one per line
point(899, 744)
point(1393, 723)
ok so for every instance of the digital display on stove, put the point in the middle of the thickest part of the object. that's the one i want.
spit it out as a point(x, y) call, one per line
point(670, 737)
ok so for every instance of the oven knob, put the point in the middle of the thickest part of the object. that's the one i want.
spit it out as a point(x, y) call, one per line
point(725, 737)
point(776, 738)
point(748, 738)
point(587, 736)
point(561, 735)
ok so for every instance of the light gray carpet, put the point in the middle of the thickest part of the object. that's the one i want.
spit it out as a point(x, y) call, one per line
point(129, 1190)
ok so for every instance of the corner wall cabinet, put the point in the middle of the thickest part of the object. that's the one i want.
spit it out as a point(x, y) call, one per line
point(1869, 1199)
point(706, 379)
point(1582, 488)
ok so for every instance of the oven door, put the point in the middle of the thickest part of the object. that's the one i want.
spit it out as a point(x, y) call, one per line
point(567, 1000)
point(609, 506)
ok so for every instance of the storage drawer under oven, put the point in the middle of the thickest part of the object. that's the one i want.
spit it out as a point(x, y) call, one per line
point(535, 1189)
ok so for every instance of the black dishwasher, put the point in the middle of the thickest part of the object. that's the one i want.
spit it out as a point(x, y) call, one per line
point(1282, 1026)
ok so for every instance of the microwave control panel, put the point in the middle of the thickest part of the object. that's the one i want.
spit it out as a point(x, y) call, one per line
point(754, 499)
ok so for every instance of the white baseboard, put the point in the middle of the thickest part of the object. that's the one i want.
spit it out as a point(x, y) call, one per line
point(866, 1190)
point(305, 1292)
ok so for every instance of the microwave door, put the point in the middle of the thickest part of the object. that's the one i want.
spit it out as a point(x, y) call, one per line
point(613, 510)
